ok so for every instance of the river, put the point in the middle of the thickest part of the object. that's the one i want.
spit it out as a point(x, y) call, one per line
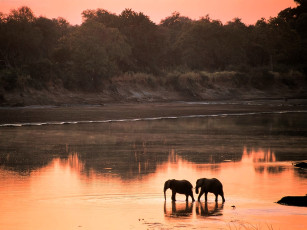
point(110, 174)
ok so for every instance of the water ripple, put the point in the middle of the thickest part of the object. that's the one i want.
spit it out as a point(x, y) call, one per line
point(143, 119)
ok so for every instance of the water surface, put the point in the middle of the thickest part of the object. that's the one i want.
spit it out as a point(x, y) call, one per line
point(110, 175)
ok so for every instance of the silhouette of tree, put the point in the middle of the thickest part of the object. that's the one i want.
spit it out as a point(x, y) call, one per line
point(38, 50)
point(143, 37)
point(102, 16)
point(96, 53)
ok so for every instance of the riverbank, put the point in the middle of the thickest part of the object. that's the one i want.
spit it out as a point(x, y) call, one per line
point(144, 88)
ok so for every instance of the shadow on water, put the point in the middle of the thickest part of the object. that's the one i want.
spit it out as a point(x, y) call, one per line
point(212, 209)
point(132, 150)
point(186, 209)
point(301, 173)
point(178, 209)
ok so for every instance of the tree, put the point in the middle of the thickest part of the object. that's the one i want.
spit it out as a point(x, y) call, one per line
point(176, 21)
point(201, 45)
point(50, 34)
point(22, 14)
point(258, 47)
point(143, 37)
point(102, 16)
point(97, 53)
point(284, 42)
point(236, 42)
point(20, 39)
point(171, 29)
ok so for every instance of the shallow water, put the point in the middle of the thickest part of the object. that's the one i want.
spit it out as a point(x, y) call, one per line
point(110, 175)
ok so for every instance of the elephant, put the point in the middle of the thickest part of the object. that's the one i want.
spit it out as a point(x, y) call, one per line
point(209, 185)
point(179, 186)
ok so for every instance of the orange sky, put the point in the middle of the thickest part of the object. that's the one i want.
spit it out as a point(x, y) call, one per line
point(225, 10)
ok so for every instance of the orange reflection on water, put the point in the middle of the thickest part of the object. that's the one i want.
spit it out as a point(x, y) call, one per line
point(259, 155)
point(66, 194)
point(251, 185)
point(73, 162)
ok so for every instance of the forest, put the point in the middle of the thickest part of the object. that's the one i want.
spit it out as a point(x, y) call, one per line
point(36, 52)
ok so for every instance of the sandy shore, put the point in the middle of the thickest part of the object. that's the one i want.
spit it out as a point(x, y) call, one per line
point(9, 115)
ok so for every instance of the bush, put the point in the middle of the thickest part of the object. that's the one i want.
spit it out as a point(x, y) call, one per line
point(143, 79)
point(222, 77)
point(24, 80)
point(241, 79)
point(291, 79)
point(261, 78)
point(40, 70)
point(190, 80)
point(8, 79)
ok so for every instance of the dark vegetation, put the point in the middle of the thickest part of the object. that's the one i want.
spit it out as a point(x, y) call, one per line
point(179, 53)
point(302, 165)
point(294, 201)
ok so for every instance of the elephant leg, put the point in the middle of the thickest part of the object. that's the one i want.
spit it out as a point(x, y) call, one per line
point(216, 196)
point(222, 195)
point(192, 197)
point(186, 197)
point(190, 194)
point(200, 194)
point(206, 196)
point(173, 196)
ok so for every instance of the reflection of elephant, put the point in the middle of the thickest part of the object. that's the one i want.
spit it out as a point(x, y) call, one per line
point(203, 210)
point(179, 186)
point(209, 185)
point(179, 209)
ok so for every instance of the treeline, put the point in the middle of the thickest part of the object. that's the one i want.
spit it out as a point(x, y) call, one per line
point(37, 51)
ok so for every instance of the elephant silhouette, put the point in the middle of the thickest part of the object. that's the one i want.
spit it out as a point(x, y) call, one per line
point(179, 186)
point(209, 185)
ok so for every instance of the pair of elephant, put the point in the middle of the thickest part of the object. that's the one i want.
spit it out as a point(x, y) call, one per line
point(185, 187)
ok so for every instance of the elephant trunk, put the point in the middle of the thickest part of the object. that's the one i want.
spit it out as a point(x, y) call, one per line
point(196, 189)
point(165, 188)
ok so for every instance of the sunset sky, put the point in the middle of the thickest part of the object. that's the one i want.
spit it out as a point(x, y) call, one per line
point(225, 10)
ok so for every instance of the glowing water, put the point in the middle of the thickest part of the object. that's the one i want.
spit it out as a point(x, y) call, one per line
point(111, 175)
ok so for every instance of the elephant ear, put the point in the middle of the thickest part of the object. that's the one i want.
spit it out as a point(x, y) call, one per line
point(171, 183)
point(198, 185)
point(200, 182)
point(167, 184)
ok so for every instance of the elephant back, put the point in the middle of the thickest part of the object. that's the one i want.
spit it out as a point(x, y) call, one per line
point(184, 186)
point(213, 185)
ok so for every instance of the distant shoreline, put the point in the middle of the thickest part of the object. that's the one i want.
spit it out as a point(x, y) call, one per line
point(144, 88)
